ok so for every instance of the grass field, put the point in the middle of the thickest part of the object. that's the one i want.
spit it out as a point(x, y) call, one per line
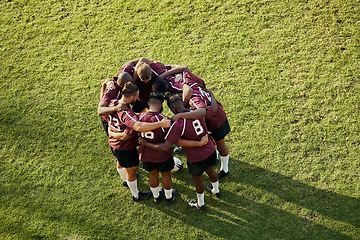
point(286, 72)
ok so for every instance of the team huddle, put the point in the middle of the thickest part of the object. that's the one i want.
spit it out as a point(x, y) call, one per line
point(131, 107)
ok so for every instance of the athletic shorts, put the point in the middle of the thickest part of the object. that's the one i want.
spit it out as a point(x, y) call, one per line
point(166, 166)
point(139, 106)
point(127, 158)
point(198, 168)
point(219, 133)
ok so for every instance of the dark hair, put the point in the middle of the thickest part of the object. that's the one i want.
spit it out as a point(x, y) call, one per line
point(160, 85)
point(174, 98)
point(129, 89)
point(157, 95)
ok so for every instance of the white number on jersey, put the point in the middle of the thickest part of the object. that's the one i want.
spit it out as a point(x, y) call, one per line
point(114, 122)
point(148, 135)
point(197, 127)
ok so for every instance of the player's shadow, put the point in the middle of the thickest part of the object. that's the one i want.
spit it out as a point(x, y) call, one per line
point(245, 214)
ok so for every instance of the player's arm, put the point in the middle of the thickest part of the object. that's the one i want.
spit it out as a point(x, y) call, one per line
point(119, 136)
point(173, 71)
point(146, 126)
point(192, 143)
point(213, 100)
point(132, 63)
point(165, 146)
point(106, 85)
point(186, 94)
point(195, 114)
point(104, 110)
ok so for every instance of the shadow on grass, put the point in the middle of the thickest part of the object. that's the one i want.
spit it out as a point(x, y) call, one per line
point(309, 212)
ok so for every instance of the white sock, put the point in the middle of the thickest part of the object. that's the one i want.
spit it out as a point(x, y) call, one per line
point(155, 191)
point(133, 188)
point(122, 173)
point(224, 163)
point(215, 186)
point(200, 197)
point(168, 193)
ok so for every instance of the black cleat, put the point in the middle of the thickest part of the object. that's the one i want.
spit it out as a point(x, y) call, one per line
point(209, 187)
point(174, 195)
point(158, 199)
point(222, 174)
point(143, 196)
point(193, 203)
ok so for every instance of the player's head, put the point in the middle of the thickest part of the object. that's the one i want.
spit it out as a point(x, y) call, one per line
point(155, 101)
point(123, 78)
point(144, 72)
point(175, 104)
point(130, 92)
point(161, 86)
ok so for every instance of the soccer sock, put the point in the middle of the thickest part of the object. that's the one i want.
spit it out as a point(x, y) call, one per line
point(168, 193)
point(215, 186)
point(155, 191)
point(122, 172)
point(201, 200)
point(224, 163)
point(133, 188)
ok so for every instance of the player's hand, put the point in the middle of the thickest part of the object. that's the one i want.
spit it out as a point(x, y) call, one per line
point(204, 140)
point(165, 123)
point(121, 106)
point(110, 132)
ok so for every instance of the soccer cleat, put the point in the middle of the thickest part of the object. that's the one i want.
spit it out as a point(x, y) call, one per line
point(209, 187)
point(178, 149)
point(193, 203)
point(143, 196)
point(158, 199)
point(222, 174)
point(174, 195)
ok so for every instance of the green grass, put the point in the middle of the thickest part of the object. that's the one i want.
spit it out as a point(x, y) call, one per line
point(287, 73)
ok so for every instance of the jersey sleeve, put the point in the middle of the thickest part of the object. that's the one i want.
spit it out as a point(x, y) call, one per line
point(174, 133)
point(129, 118)
point(156, 69)
point(126, 68)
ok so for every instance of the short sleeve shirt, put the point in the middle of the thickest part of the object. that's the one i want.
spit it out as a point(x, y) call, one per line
point(190, 129)
point(147, 154)
point(146, 88)
point(123, 121)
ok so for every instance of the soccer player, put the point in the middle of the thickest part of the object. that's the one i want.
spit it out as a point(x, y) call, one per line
point(198, 97)
point(125, 123)
point(146, 72)
point(199, 159)
point(159, 161)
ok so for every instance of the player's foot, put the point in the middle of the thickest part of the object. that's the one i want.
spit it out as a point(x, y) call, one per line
point(193, 203)
point(169, 201)
point(178, 149)
point(222, 174)
point(143, 196)
point(157, 200)
point(209, 187)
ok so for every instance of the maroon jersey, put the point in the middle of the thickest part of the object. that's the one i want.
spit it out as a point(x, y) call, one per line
point(126, 68)
point(123, 121)
point(110, 94)
point(191, 129)
point(146, 88)
point(201, 98)
point(147, 154)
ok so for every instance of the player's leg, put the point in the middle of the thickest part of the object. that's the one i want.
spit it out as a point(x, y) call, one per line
point(165, 169)
point(196, 170)
point(122, 173)
point(224, 157)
